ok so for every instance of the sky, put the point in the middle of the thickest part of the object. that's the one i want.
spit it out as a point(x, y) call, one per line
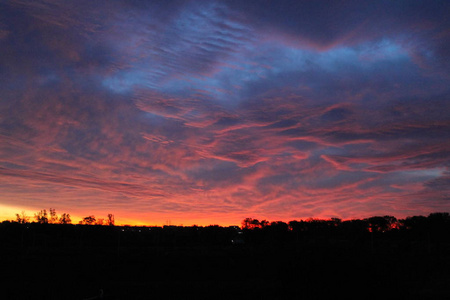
point(208, 112)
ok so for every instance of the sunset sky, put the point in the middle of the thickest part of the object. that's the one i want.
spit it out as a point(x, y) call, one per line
point(207, 112)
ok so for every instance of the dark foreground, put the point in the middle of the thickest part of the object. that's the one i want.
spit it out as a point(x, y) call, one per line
point(76, 262)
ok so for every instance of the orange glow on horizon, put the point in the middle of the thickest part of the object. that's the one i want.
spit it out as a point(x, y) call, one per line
point(9, 213)
point(175, 219)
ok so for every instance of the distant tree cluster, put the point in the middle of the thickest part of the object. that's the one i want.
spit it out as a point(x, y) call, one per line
point(44, 217)
point(91, 220)
point(372, 224)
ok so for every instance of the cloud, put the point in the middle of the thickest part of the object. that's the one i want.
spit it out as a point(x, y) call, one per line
point(225, 109)
point(325, 24)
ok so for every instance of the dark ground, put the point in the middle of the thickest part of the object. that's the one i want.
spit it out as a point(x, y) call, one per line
point(75, 262)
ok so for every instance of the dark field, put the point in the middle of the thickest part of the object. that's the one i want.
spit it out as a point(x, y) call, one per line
point(46, 261)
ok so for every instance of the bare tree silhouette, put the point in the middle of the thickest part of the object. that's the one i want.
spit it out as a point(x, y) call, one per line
point(41, 217)
point(89, 220)
point(65, 219)
point(53, 217)
point(22, 218)
point(110, 220)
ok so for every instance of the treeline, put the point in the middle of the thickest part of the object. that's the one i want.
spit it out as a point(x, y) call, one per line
point(379, 234)
point(378, 224)
point(42, 217)
point(418, 234)
point(373, 224)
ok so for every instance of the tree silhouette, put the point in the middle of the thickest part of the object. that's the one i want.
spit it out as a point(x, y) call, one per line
point(90, 220)
point(53, 217)
point(22, 218)
point(297, 226)
point(439, 219)
point(250, 223)
point(279, 225)
point(246, 223)
point(382, 224)
point(264, 223)
point(336, 221)
point(65, 219)
point(41, 217)
point(110, 220)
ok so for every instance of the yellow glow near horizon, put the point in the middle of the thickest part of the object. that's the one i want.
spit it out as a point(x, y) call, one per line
point(8, 212)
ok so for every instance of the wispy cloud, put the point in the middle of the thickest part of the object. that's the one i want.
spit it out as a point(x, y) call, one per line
point(226, 109)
